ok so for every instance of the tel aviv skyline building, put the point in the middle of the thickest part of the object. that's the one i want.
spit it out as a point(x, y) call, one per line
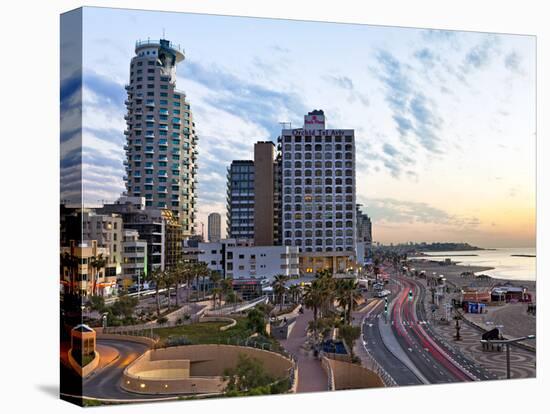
point(318, 182)
point(161, 143)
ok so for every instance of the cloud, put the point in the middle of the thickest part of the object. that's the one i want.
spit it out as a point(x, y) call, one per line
point(389, 210)
point(345, 83)
point(426, 57)
point(413, 113)
point(512, 62)
point(480, 55)
point(252, 102)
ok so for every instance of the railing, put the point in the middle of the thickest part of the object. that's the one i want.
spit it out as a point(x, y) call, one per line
point(148, 42)
point(238, 307)
point(387, 379)
point(330, 374)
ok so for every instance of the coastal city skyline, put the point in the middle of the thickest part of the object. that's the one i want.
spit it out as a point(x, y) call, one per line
point(356, 221)
point(412, 133)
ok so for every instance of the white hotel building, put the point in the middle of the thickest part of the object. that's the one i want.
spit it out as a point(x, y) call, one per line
point(318, 200)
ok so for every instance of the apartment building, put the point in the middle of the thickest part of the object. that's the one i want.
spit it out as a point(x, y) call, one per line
point(240, 200)
point(161, 144)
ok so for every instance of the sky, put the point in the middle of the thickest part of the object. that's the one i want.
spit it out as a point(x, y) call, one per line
point(444, 120)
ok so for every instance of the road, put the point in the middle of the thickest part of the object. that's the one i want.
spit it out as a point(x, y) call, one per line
point(105, 382)
point(375, 346)
point(432, 363)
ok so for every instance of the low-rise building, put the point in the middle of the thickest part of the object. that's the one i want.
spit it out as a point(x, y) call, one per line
point(83, 269)
point(134, 257)
point(237, 259)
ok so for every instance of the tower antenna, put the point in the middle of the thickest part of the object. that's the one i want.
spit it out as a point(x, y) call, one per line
point(163, 33)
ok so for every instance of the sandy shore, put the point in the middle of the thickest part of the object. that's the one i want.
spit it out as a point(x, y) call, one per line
point(512, 318)
point(453, 271)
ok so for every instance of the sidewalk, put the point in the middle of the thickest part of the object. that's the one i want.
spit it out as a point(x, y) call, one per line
point(311, 376)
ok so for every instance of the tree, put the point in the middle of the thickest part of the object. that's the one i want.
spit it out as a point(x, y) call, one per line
point(200, 269)
point(170, 279)
point(70, 262)
point(313, 299)
point(255, 321)
point(294, 291)
point(347, 296)
point(124, 306)
point(349, 334)
point(158, 277)
point(215, 278)
point(96, 262)
point(181, 271)
point(248, 374)
point(97, 303)
point(279, 288)
point(227, 290)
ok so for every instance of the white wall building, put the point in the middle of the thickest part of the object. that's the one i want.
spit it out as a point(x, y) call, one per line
point(134, 254)
point(235, 259)
point(318, 205)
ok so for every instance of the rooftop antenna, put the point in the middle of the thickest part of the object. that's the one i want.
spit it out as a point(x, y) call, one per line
point(163, 33)
point(284, 124)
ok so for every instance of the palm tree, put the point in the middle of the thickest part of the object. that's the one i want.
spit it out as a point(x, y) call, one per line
point(327, 287)
point(96, 262)
point(200, 269)
point(347, 296)
point(279, 288)
point(216, 290)
point(314, 297)
point(69, 261)
point(294, 291)
point(170, 278)
point(227, 287)
point(158, 276)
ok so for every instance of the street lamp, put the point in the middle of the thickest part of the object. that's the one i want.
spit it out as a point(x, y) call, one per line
point(507, 342)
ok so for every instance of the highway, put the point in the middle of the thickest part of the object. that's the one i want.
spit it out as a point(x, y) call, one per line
point(422, 351)
point(471, 366)
point(425, 357)
point(374, 344)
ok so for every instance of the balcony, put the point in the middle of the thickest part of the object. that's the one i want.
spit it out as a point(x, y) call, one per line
point(163, 127)
point(150, 134)
point(126, 132)
point(150, 104)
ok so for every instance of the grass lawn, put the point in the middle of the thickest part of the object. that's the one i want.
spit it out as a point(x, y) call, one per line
point(209, 333)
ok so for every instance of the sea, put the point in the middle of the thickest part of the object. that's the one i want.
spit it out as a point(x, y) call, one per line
point(506, 263)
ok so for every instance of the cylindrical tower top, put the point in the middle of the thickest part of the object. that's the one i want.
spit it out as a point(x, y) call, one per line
point(161, 45)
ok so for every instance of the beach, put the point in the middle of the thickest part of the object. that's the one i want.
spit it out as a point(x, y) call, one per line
point(511, 318)
point(452, 272)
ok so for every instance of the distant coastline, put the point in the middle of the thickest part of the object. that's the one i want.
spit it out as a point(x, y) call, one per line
point(523, 255)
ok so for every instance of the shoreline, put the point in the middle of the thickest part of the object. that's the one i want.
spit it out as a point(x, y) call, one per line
point(452, 273)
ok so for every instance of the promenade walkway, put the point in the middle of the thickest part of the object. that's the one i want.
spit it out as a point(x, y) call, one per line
point(311, 376)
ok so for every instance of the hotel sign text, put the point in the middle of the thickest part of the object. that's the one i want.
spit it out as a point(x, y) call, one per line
point(322, 132)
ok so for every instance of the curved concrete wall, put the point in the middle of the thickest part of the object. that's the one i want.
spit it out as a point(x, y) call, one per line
point(85, 370)
point(352, 376)
point(192, 369)
point(130, 338)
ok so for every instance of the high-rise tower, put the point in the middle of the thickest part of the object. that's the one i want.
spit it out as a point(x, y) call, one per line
point(318, 204)
point(161, 139)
